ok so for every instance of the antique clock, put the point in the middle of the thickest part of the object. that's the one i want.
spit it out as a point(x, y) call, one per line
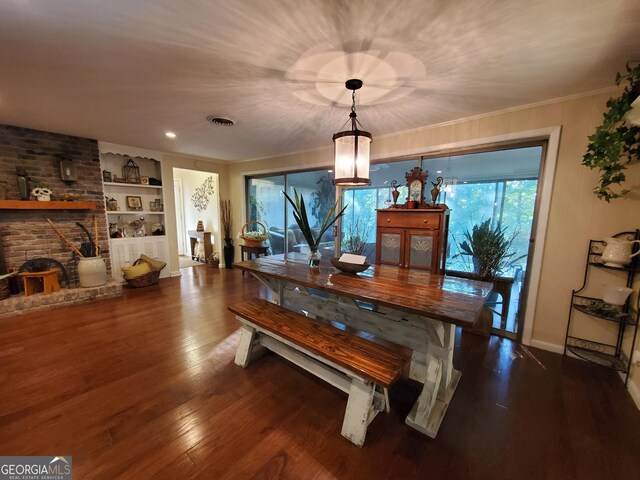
point(416, 179)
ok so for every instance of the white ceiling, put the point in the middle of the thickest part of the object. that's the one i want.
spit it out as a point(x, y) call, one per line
point(127, 71)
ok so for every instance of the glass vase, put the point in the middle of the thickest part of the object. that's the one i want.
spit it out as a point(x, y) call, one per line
point(313, 259)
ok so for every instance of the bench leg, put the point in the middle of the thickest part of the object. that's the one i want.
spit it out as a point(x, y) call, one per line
point(359, 411)
point(243, 353)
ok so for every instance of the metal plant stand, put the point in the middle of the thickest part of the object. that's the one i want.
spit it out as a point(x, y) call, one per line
point(625, 319)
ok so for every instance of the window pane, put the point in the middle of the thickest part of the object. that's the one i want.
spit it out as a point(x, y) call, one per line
point(319, 196)
point(266, 205)
point(517, 215)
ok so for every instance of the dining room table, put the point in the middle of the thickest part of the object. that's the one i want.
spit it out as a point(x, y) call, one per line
point(413, 308)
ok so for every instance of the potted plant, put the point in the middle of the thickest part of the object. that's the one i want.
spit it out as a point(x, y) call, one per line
point(489, 249)
point(312, 238)
point(616, 142)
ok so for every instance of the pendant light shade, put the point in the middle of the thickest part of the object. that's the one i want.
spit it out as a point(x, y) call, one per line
point(352, 148)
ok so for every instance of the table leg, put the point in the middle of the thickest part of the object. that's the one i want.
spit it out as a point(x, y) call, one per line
point(439, 379)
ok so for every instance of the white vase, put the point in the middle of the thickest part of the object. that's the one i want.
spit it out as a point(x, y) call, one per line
point(92, 272)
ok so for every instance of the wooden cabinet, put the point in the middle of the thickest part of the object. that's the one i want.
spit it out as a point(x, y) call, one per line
point(410, 238)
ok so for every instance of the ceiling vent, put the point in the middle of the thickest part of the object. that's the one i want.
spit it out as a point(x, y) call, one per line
point(220, 121)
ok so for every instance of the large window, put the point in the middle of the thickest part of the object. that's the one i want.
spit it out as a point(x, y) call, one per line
point(499, 185)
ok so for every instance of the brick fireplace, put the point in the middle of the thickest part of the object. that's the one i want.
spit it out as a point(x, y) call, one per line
point(25, 234)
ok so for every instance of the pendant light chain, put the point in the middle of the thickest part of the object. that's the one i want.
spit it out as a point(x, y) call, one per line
point(353, 101)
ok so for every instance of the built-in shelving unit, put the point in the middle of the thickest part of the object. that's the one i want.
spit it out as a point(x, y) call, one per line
point(52, 205)
point(127, 248)
point(610, 354)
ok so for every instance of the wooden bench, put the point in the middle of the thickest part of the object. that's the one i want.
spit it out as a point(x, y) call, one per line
point(361, 368)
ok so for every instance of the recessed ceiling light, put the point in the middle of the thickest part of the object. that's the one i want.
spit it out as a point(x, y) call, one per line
point(438, 171)
point(170, 134)
point(220, 121)
point(330, 171)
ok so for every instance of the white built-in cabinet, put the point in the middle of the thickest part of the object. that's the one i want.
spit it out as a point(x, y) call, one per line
point(126, 250)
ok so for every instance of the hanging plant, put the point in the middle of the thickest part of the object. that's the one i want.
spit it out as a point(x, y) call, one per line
point(202, 194)
point(616, 142)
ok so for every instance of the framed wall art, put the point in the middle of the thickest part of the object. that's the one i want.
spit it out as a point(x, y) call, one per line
point(134, 203)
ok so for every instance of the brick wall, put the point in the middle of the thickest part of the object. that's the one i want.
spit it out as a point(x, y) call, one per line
point(25, 233)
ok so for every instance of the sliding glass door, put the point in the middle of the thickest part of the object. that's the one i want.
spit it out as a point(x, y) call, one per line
point(267, 204)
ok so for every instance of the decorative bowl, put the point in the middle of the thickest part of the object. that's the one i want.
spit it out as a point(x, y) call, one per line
point(349, 267)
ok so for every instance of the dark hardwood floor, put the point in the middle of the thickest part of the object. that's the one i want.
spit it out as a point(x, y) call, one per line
point(144, 386)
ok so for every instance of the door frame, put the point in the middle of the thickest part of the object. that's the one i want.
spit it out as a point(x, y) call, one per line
point(180, 225)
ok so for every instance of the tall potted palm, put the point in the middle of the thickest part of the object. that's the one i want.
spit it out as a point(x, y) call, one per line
point(312, 238)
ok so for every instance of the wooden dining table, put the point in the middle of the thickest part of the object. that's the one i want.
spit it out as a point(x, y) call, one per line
point(412, 308)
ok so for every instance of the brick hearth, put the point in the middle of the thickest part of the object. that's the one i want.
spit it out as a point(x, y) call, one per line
point(19, 304)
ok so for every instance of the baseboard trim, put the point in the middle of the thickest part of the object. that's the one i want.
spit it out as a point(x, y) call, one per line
point(176, 273)
point(550, 347)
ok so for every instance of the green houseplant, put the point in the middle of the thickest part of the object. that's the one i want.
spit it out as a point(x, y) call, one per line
point(312, 238)
point(616, 142)
point(489, 248)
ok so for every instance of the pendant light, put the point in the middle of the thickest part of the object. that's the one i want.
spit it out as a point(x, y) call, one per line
point(351, 148)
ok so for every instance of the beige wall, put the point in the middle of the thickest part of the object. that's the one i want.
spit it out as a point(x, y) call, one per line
point(575, 215)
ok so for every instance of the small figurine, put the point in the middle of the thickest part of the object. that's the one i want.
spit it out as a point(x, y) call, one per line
point(435, 191)
point(395, 194)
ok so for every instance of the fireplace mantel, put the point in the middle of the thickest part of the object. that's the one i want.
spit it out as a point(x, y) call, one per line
point(36, 205)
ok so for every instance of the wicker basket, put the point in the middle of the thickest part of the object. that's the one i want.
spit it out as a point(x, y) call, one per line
point(145, 280)
point(254, 242)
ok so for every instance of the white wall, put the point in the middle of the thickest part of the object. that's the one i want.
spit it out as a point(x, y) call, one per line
point(191, 180)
